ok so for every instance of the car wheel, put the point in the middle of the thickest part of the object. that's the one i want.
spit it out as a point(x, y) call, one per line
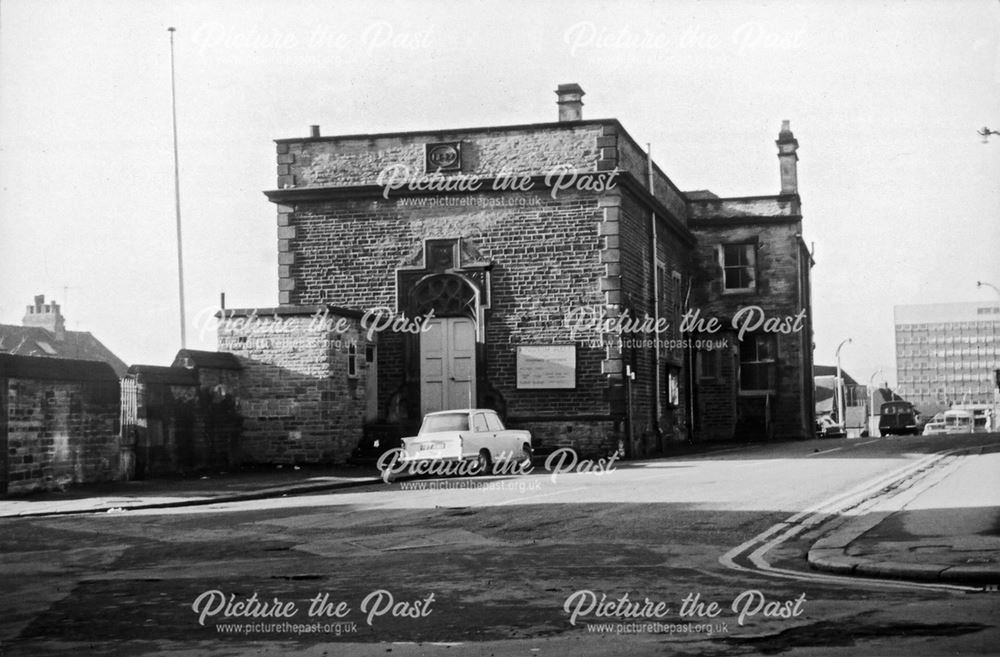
point(525, 457)
point(484, 463)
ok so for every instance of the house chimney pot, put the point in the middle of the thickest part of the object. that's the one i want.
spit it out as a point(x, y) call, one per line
point(46, 316)
point(314, 130)
point(788, 159)
point(570, 102)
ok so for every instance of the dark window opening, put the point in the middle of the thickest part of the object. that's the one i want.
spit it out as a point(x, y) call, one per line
point(758, 359)
point(739, 266)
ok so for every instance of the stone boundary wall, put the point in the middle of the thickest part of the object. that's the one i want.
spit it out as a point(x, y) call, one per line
point(58, 423)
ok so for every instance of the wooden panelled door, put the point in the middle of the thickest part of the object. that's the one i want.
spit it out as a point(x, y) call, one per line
point(448, 364)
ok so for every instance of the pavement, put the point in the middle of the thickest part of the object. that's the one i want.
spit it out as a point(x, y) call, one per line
point(212, 488)
point(940, 524)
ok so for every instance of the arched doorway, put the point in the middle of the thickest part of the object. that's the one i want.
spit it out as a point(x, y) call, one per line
point(447, 352)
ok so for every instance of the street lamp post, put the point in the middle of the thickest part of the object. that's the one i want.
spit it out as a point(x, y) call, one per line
point(871, 404)
point(840, 390)
point(986, 132)
point(995, 288)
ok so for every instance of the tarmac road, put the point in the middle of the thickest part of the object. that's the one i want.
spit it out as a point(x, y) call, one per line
point(526, 565)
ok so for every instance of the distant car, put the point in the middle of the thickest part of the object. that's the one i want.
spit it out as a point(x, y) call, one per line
point(935, 426)
point(827, 428)
point(465, 435)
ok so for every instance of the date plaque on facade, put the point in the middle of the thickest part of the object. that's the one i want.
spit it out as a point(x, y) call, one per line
point(443, 156)
point(551, 367)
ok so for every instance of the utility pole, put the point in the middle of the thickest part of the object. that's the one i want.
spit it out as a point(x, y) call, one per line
point(177, 191)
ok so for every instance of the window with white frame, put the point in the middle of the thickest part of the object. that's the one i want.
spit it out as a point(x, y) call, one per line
point(673, 388)
point(739, 267)
point(352, 360)
point(758, 358)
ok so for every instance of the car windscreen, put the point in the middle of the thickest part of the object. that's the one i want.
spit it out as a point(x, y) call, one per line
point(445, 422)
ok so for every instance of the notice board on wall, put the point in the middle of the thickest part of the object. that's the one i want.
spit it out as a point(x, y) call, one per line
point(546, 367)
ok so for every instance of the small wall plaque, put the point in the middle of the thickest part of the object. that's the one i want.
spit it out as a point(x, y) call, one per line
point(443, 156)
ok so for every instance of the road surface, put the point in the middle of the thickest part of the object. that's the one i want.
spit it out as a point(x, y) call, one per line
point(649, 557)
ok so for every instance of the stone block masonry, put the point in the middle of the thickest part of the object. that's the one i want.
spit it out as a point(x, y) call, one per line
point(782, 269)
point(58, 423)
point(302, 388)
point(474, 225)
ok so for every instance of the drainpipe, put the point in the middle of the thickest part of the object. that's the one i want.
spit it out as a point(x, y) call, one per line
point(690, 372)
point(657, 381)
point(807, 380)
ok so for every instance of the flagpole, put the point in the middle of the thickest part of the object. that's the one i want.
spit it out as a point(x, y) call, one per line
point(177, 190)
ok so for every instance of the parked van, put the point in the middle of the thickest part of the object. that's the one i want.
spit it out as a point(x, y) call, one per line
point(897, 418)
point(959, 421)
point(981, 416)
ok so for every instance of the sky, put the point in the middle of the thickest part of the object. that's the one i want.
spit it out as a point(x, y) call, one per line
point(900, 195)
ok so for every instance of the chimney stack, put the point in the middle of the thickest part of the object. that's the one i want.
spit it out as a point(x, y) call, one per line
point(787, 159)
point(570, 102)
point(314, 131)
point(46, 316)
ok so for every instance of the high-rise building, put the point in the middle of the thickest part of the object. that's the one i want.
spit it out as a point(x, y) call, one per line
point(947, 352)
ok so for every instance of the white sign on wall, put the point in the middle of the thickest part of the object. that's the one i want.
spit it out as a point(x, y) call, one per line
point(550, 367)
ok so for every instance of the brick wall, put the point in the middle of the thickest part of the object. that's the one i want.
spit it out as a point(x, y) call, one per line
point(341, 242)
point(634, 159)
point(653, 422)
point(296, 399)
point(59, 423)
point(716, 397)
point(546, 260)
point(547, 255)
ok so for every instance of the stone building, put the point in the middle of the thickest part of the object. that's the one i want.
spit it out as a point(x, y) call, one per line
point(551, 271)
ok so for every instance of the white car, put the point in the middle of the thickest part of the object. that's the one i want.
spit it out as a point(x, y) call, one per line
point(474, 438)
point(935, 426)
point(827, 428)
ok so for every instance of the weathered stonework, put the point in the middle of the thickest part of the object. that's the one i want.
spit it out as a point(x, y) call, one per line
point(354, 161)
point(526, 259)
point(296, 397)
point(782, 291)
point(58, 424)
